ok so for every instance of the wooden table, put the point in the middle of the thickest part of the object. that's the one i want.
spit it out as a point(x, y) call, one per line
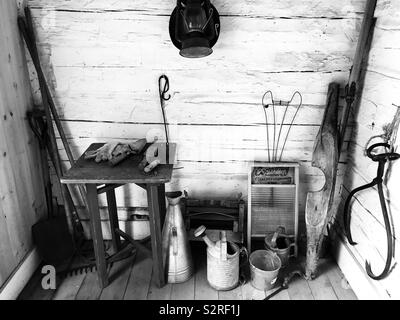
point(101, 178)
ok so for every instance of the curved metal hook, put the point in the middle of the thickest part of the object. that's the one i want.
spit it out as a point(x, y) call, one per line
point(299, 94)
point(347, 219)
point(382, 159)
point(294, 117)
point(265, 106)
point(163, 89)
point(262, 100)
point(347, 213)
point(389, 236)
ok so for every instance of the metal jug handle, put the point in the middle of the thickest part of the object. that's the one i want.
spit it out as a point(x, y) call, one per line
point(242, 276)
point(174, 241)
point(243, 251)
point(278, 231)
point(292, 254)
point(292, 246)
point(224, 247)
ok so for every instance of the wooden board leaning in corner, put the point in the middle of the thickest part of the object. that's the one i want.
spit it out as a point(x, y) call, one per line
point(330, 140)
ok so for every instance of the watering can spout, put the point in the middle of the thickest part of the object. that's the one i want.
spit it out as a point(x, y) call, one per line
point(201, 232)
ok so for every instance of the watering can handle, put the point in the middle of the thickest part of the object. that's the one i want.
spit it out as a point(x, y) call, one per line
point(242, 276)
point(292, 253)
point(278, 231)
point(244, 251)
point(174, 241)
point(224, 248)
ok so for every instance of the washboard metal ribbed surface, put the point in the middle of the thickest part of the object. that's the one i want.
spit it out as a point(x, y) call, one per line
point(272, 200)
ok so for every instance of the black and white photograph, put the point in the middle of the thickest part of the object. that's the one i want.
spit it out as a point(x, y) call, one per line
point(206, 157)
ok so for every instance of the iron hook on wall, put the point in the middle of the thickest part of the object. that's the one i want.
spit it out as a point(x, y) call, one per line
point(382, 159)
point(163, 90)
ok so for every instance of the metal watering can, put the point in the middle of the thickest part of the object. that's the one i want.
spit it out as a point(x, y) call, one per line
point(222, 261)
point(282, 244)
point(177, 256)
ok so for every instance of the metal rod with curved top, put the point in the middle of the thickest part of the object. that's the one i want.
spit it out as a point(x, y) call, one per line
point(291, 124)
point(278, 132)
point(162, 90)
point(265, 106)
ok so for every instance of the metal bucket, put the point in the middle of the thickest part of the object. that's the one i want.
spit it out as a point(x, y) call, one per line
point(223, 270)
point(264, 268)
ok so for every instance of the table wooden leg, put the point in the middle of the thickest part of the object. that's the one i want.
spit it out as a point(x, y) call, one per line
point(113, 214)
point(97, 235)
point(156, 203)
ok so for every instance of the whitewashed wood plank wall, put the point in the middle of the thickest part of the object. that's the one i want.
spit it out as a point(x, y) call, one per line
point(380, 102)
point(21, 189)
point(103, 59)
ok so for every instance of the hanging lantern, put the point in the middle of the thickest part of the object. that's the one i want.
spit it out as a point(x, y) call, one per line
point(194, 27)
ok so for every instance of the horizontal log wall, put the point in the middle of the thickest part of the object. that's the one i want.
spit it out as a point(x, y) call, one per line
point(380, 102)
point(103, 59)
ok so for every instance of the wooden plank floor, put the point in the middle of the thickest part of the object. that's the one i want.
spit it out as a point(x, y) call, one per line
point(131, 279)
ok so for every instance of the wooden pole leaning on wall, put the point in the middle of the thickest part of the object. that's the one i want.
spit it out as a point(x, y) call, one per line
point(26, 29)
point(355, 83)
point(50, 99)
point(329, 143)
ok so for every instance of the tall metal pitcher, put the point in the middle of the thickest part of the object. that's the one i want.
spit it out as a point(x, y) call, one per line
point(176, 250)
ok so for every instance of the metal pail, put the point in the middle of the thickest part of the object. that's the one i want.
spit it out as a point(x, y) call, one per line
point(264, 268)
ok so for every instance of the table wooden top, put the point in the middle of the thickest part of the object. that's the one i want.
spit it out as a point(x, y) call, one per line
point(88, 171)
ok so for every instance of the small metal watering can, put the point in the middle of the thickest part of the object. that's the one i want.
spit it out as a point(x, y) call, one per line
point(176, 249)
point(280, 243)
point(222, 261)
